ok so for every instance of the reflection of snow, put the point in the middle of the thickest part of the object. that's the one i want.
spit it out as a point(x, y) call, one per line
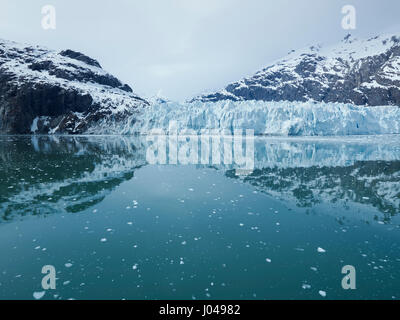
point(71, 174)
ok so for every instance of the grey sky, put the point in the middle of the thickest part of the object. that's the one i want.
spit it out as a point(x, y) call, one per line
point(186, 47)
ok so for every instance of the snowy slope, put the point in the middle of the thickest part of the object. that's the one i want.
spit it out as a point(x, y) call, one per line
point(361, 72)
point(43, 91)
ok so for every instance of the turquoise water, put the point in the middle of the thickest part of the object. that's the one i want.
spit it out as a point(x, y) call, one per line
point(115, 227)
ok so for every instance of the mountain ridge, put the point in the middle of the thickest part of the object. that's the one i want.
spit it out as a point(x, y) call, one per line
point(67, 92)
point(360, 72)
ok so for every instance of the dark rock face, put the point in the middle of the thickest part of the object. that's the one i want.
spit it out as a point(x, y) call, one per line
point(81, 57)
point(45, 92)
point(356, 71)
point(31, 100)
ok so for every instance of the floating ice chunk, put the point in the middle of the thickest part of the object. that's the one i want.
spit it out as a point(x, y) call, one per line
point(39, 295)
point(103, 240)
point(134, 267)
point(306, 286)
point(321, 250)
point(268, 260)
point(68, 265)
point(322, 293)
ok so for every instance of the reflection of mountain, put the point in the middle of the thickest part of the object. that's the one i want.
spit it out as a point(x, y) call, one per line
point(359, 171)
point(374, 183)
point(43, 175)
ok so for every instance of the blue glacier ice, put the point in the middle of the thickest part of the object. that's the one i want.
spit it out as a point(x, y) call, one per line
point(265, 118)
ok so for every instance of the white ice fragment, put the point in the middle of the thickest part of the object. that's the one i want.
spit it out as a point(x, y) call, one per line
point(39, 295)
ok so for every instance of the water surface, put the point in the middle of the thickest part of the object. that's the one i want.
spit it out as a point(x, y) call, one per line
point(115, 227)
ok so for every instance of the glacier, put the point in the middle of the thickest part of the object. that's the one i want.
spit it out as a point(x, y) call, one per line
point(265, 118)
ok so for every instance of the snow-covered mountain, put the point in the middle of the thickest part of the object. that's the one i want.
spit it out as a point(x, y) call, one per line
point(43, 91)
point(360, 72)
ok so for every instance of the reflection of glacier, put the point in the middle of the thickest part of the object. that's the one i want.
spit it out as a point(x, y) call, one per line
point(370, 183)
point(320, 152)
point(359, 170)
point(42, 175)
point(269, 118)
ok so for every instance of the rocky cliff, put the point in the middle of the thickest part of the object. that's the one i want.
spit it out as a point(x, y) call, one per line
point(42, 91)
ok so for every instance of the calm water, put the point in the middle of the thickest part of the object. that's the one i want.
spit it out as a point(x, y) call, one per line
point(115, 227)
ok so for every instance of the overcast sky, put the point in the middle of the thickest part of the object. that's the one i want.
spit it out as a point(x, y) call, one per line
point(185, 47)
